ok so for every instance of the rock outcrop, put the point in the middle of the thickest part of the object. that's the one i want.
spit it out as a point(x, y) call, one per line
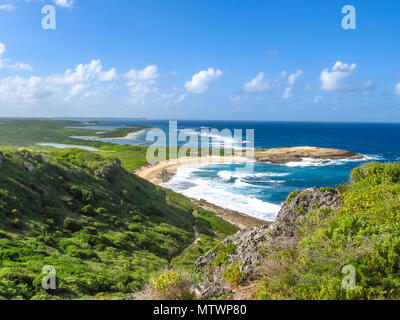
point(251, 244)
point(296, 154)
point(111, 171)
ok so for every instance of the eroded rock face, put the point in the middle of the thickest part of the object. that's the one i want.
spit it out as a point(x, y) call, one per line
point(252, 243)
point(298, 206)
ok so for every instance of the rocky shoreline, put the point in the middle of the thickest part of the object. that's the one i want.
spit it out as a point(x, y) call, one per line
point(297, 154)
point(162, 172)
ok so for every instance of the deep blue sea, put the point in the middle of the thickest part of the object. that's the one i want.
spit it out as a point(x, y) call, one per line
point(260, 192)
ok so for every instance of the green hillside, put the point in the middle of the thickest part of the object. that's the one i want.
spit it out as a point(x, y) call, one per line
point(364, 234)
point(104, 229)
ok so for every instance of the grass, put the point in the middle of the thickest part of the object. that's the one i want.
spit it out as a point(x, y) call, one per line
point(104, 235)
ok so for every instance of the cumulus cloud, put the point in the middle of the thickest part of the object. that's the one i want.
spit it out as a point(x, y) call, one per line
point(64, 3)
point(9, 64)
point(7, 7)
point(140, 83)
point(2, 49)
point(200, 81)
point(330, 79)
point(287, 94)
point(294, 76)
point(257, 85)
point(83, 81)
point(397, 89)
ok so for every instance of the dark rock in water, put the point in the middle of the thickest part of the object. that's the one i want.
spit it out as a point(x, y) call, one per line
point(251, 243)
point(1, 159)
point(165, 176)
point(111, 171)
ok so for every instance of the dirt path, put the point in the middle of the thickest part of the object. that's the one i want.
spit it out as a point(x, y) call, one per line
point(196, 240)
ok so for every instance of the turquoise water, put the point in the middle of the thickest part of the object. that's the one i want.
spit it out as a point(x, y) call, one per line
point(259, 192)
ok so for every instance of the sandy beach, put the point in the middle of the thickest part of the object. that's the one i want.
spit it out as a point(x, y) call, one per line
point(163, 171)
point(133, 135)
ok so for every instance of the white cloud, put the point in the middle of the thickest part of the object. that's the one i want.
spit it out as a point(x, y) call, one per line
point(9, 64)
point(7, 7)
point(330, 78)
point(257, 85)
point(317, 99)
point(108, 75)
point(288, 93)
point(20, 66)
point(2, 49)
point(397, 89)
point(89, 72)
point(235, 99)
point(83, 81)
point(64, 3)
point(200, 81)
point(294, 76)
point(140, 83)
point(147, 74)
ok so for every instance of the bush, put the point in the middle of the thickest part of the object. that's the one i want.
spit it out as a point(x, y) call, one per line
point(233, 275)
point(223, 252)
point(170, 285)
point(88, 210)
point(72, 225)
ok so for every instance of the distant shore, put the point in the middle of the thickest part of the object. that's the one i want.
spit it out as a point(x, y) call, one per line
point(131, 135)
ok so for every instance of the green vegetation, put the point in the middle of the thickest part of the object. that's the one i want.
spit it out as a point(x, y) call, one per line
point(223, 252)
point(233, 275)
point(292, 195)
point(364, 233)
point(104, 229)
point(120, 132)
point(170, 285)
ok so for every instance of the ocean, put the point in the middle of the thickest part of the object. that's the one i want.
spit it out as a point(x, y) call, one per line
point(260, 192)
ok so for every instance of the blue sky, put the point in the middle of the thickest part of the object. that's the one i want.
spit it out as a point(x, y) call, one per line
point(209, 59)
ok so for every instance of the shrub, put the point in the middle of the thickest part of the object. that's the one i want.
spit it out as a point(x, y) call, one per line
point(233, 275)
point(170, 285)
point(223, 252)
point(88, 210)
point(72, 225)
point(292, 195)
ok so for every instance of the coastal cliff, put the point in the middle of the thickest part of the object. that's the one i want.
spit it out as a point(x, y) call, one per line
point(249, 246)
point(319, 235)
